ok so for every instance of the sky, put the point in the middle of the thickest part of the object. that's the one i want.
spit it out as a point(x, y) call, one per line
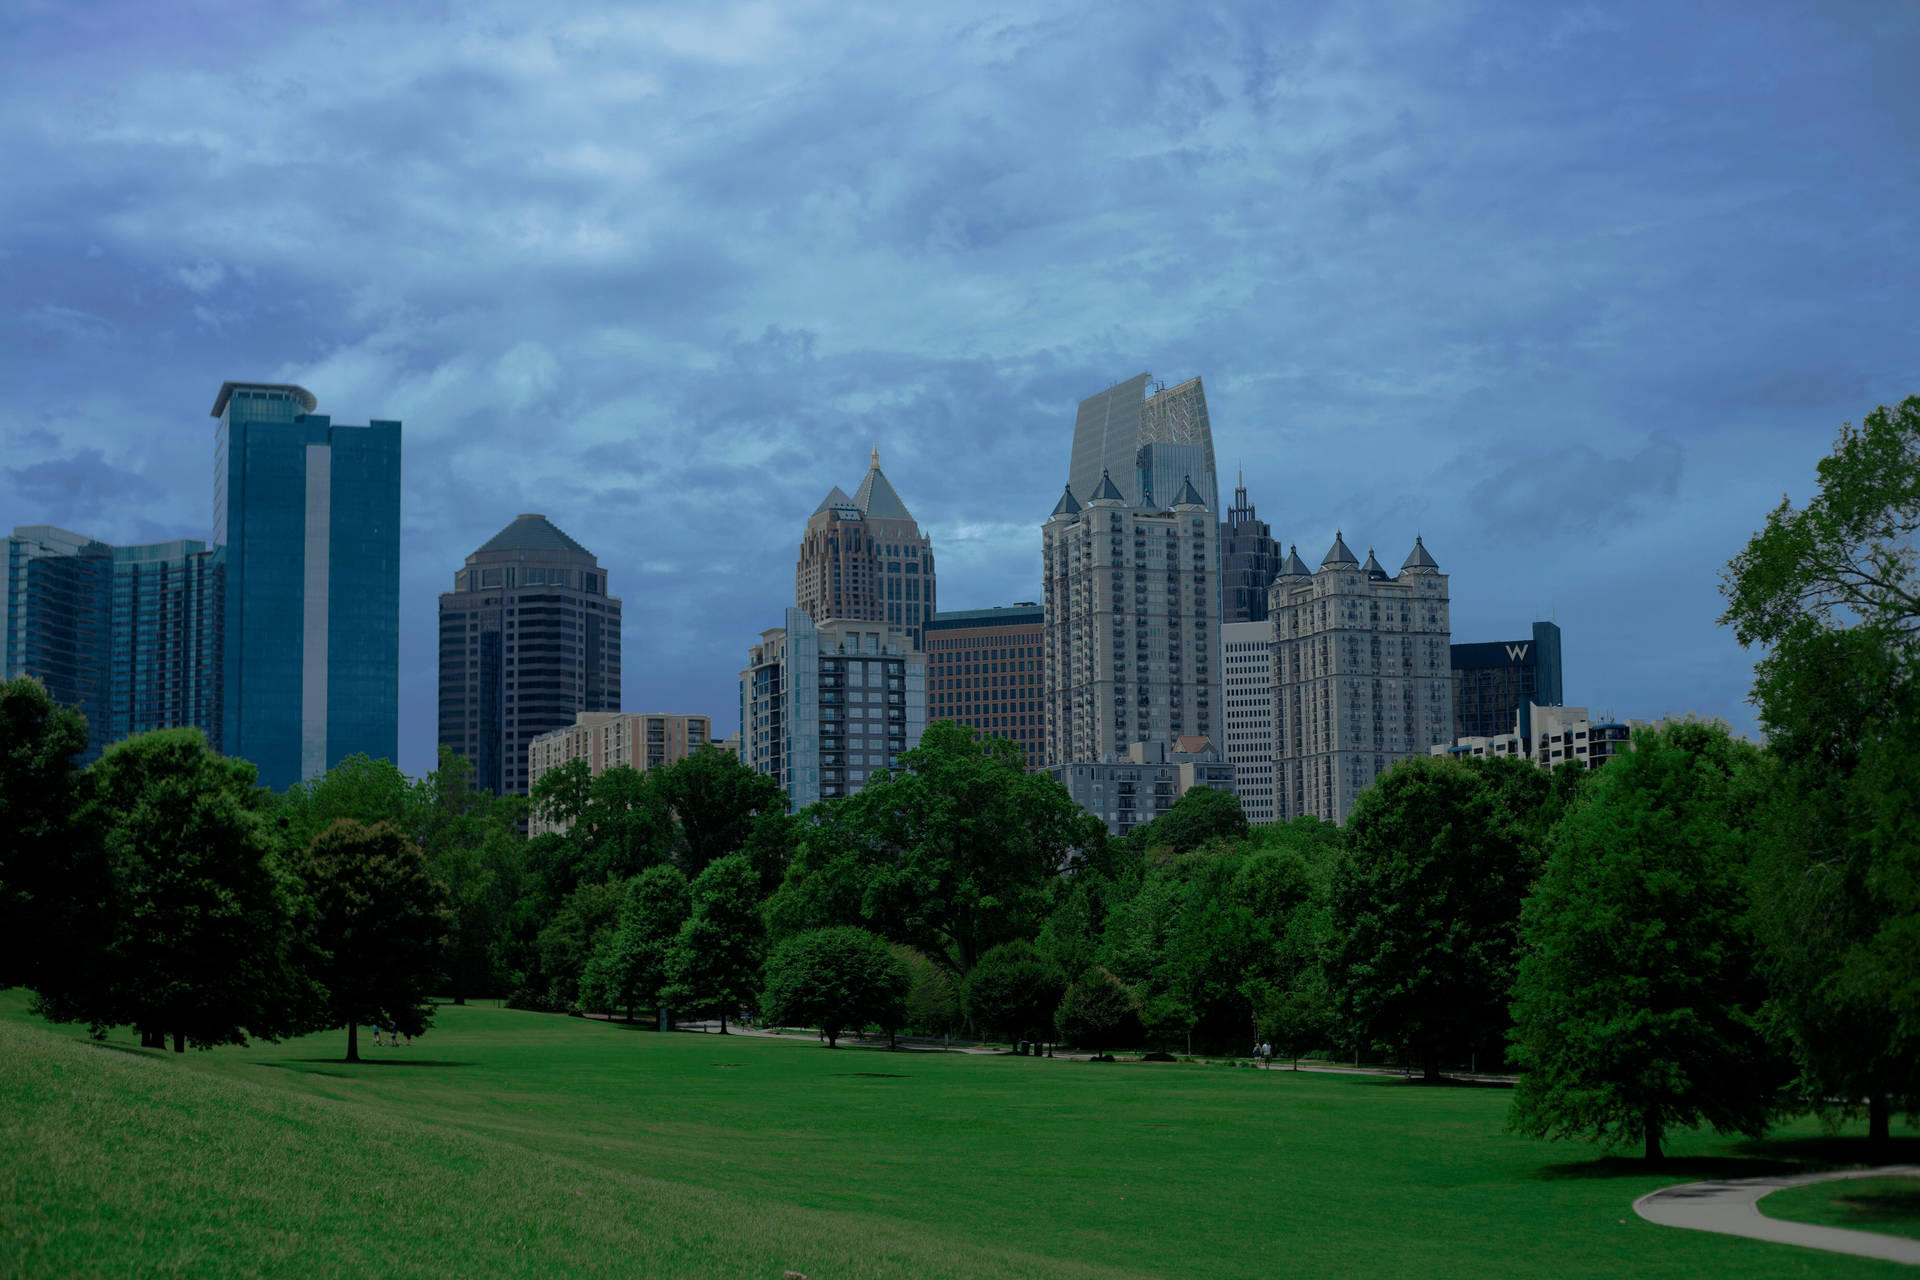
point(1577, 293)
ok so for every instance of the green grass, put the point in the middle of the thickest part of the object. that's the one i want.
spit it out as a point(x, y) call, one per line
point(1890, 1206)
point(509, 1143)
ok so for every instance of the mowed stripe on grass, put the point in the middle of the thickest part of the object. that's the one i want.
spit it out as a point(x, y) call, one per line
point(524, 1144)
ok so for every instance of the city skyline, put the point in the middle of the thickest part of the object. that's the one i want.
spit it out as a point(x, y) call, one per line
point(1576, 298)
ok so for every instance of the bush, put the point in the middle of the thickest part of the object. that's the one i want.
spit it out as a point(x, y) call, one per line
point(1099, 1012)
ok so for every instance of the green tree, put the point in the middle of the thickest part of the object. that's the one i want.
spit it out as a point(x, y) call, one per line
point(838, 978)
point(1014, 990)
point(1425, 909)
point(1637, 1006)
point(475, 851)
point(933, 1000)
point(717, 956)
point(1202, 814)
point(724, 808)
point(1099, 1012)
point(358, 788)
point(1295, 1019)
point(572, 936)
point(561, 795)
point(52, 879)
point(627, 826)
point(630, 963)
point(376, 931)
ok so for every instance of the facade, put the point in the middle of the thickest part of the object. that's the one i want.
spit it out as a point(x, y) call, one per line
point(1132, 635)
point(1249, 557)
point(1112, 432)
point(824, 706)
point(612, 739)
point(308, 512)
point(983, 670)
point(529, 640)
point(1360, 676)
point(864, 559)
point(1145, 782)
point(129, 635)
point(1554, 736)
point(1493, 682)
point(1246, 702)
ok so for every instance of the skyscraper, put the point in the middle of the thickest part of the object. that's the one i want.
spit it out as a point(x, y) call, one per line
point(1247, 711)
point(1360, 675)
point(864, 559)
point(308, 512)
point(129, 635)
point(1249, 557)
point(1113, 432)
point(529, 639)
point(983, 670)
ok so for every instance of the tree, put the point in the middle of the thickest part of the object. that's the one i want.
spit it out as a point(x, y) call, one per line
point(198, 922)
point(1014, 990)
point(626, 827)
point(630, 963)
point(359, 787)
point(1831, 591)
point(378, 924)
point(1296, 1018)
point(1099, 1012)
point(51, 875)
point(933, 1000)
point(835, 979)
point(1637, 1007)
point(716, 958)
point(475, 851)
point(723, 808)
point(1202, 814)
point(1425, 909)
point(561, 795)
point(567, 943)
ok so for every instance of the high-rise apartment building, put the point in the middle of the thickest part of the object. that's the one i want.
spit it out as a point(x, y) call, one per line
point(612, 740)
point(129, 635)
point(1361, 676)
point(984, 670)
point(1132, 639)
point(529, 639)
point(864, 559)
point(1149, 438)
point(308, 512)
point(1249, 557)
point(1495, 681)
point(822, 707)
point(1246, 701)
point(1146, 782)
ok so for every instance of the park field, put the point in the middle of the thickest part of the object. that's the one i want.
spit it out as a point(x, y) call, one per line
point(523, 1144)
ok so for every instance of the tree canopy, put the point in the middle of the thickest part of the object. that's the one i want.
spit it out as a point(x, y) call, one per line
point(837, 979)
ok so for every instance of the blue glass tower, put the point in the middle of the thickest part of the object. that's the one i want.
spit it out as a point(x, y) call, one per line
point(309, 514)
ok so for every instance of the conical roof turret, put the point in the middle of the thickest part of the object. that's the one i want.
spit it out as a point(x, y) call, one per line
point(1107, 492)
point(1293, 566)
point(1337, 555)
point(1189, 496)
point(1068, 504)
point(1418, 560)
point(876, 498)
point(1374, 572)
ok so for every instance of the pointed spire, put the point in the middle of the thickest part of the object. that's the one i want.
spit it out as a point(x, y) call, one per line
point(1067, 504)
point(1338, 555)
point(875, 464)
point(1293, 566)
point(1108, 491)
point(1419, 560)
point(1189, 496)
point(876, 498)
point(1374, 572)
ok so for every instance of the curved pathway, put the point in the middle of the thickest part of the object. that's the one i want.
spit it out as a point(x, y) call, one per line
point(1732, 1207)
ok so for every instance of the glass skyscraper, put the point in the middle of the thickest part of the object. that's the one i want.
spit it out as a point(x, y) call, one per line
point(1149, 437)
point(308, 512)
point(129, 635)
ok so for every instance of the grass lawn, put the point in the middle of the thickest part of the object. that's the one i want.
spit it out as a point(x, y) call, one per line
point(509, 1143)
point(1890, 1206)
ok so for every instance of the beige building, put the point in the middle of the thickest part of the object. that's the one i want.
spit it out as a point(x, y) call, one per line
point(864, 559)
point(1362, 675)
point(1246, 702)
point(609, 739)
point(1131, 646)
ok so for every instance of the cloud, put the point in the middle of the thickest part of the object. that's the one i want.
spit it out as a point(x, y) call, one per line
point(75, 487)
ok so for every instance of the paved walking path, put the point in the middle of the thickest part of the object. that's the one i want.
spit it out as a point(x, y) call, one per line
point(1732, 1207)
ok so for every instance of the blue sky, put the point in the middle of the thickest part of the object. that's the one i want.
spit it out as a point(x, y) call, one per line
point(1575, 292)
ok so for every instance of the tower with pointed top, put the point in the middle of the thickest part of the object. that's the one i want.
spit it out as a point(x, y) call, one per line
point(864, 559)
point(1249, 557)
point(1362, 674)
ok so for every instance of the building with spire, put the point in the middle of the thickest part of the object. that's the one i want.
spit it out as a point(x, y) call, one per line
point(1362, 675)
point(529, 639)
point(863, 559)
point(1249, 557)
point(1131, 647)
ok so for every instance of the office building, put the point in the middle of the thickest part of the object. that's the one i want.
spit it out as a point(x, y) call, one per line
point(983, 670)
point(1249, 557)
point(308, 511)
point(1494, 681)
point(1361, 675)
point(864, 559)
point(611, 740)
point(1246, 701)
point(1113, 432)
point(131, 636)
point(823, 706)
point(1132, 638)
point(1145, 781)
point(529, 640)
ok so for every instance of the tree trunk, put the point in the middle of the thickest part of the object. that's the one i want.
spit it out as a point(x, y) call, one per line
point(353, 1041)
point(1879, 1120)
point(152, 1040)
point(179, 1042)
point(723, 1024)
point(1652, 1124)
point(459, 997)
point(1430, 1065)
point(833, 1036)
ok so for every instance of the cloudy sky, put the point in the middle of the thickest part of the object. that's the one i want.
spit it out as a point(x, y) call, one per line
point(1576, 292)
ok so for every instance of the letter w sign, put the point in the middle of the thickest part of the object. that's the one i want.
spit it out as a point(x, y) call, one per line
point(1517, 652)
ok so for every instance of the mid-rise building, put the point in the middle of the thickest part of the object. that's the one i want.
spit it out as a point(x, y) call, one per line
point(1132, 638)
point(308, 512)
point(984, 670)
point(614, 739)
point(130, 635)
point(1246, 701)
point(1553, 736)
point(864, 559)
point(1145, 781)
point(1249, 557)
point(823, 706)
point(529, 640)
point(1494, 681)
point(1361, 676)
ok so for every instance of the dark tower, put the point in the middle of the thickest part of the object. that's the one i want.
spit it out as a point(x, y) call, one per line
point(1249, 557)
